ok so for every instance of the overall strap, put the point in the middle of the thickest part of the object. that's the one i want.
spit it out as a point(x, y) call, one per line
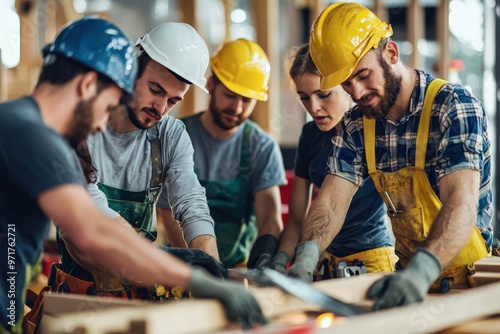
point(153, 135)
point(248, 130)
point(425, 118)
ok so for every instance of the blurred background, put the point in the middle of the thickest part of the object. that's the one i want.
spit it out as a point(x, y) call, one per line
point(453, 39)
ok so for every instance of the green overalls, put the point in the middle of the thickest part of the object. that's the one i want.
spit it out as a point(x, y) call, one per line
point(139, 208)
point(413, 205)
point(231, 207)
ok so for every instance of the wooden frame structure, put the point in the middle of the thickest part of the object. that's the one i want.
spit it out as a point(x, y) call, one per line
point(21, 79)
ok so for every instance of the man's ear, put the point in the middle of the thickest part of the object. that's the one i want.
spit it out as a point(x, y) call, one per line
point(210, 84)
point(87, 85)
point(392, 50)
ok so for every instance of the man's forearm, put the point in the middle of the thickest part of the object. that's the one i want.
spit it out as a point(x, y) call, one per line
point(206, 243)
point(453, 225)
point(290, 237)
point(319, 225)
point(327, 214)
point(449, 232)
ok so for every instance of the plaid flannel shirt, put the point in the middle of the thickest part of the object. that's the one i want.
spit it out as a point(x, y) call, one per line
point(458, 139)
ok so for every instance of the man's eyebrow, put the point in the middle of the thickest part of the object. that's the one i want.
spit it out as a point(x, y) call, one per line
point(359, 72)
point(159, 87)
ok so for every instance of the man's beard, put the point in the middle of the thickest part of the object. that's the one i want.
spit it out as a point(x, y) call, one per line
point(81, 124)
point(219, 120)
point(392, 89)
point(133, 115)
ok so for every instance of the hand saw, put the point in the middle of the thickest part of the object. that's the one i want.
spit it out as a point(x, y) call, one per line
point(297, 288)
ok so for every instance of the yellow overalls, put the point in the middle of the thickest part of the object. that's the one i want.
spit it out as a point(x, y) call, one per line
point(413, 205)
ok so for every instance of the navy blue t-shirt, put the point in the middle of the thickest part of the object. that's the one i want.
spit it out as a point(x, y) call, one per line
point(365, 225)
point(33, 159)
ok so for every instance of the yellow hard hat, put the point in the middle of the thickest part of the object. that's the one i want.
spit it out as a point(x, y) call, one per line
point(341, 35)
point(242, 66)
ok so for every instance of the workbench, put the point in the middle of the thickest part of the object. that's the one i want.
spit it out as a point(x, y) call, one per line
point(461, 311)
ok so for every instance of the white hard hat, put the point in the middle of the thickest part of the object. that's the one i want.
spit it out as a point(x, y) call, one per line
point(178, 47)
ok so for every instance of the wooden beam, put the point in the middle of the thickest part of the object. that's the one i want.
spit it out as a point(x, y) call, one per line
point(228, 6)
point(415, 26)
point(317, 7)
point(196, 99)
point(380, 10)
point(442, 38)
point(265, 16)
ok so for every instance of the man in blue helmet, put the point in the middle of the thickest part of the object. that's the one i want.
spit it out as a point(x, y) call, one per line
point(86, 71)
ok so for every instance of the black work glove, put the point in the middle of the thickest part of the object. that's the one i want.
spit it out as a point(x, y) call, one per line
point(239, 304)
point(198, 258)
point(279, 261)
point(409, 285)
point(262, 251)
point(306, 259)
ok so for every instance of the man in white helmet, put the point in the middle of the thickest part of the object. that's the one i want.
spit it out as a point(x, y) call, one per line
point(144, 149)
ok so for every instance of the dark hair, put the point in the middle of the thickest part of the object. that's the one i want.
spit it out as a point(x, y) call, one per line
point(59, 70)
point(382, 44)
point(143, 61)
point(302, 62)
point(83, 153)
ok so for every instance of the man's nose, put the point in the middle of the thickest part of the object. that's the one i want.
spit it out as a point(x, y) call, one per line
point(161, 104)
point(237, 104)
point(101, 124)
point(357, 91)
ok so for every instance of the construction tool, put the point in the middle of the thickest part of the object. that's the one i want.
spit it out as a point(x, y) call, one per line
point(348, 269)
point(297, 288)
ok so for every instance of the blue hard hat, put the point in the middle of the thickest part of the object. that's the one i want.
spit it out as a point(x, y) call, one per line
point(100, 45)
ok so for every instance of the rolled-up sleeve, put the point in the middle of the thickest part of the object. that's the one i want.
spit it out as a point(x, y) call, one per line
point(182, 192)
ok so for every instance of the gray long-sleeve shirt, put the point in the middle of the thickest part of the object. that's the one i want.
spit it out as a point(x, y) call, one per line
point(123, 161)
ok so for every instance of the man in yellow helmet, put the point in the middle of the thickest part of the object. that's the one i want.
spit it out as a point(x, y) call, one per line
point(239, 165)
point(425, 144)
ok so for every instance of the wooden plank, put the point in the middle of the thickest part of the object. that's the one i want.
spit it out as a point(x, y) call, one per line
point(482, 278)
point(98, 316)
point(432, 315)
point(485, 326)
point(436, 313)
point(489, 263)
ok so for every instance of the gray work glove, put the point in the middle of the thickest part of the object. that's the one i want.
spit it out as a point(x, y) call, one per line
point(306, 258)
point(239, 304)
point(409, 285)
point(279, 261)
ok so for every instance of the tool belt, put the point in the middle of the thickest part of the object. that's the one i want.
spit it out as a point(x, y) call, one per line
point(34, 301)
point(61, 282)
point(381, 259)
